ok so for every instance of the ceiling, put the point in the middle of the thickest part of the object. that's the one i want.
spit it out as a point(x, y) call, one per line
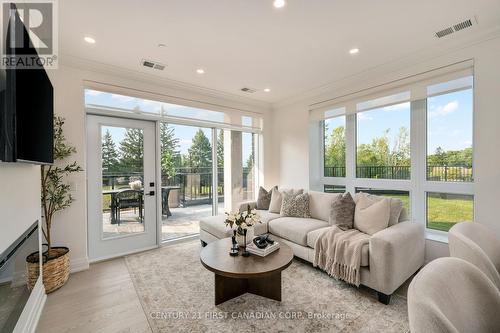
point(249, 43)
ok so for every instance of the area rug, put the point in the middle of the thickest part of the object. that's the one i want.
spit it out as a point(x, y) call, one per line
point(177, 295)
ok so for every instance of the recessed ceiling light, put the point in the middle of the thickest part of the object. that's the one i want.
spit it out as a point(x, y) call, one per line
point(162, 45)
point(353, 51)
point(267, 90)
point(200, 71)
point(279, 3)
point(89, 40)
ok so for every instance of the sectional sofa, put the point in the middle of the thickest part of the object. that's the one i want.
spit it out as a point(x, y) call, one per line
point(392, 256)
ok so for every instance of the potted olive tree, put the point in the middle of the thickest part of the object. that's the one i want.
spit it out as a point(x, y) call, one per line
point(55, 197)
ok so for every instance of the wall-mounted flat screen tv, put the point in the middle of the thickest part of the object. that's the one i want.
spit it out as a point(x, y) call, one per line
point(26, 105)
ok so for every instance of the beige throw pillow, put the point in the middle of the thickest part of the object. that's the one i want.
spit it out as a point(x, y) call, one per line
point(396, 205)
point(277, 199)
point(371, 217)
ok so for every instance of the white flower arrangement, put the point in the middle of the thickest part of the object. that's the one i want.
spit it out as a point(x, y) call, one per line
point(242, 220)
point(135, 185)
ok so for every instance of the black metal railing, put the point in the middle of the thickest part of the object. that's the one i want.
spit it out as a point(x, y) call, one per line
point(446, 173)
point(195, 184)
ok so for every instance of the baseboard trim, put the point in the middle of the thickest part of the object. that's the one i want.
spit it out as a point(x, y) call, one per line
point(28, 321)
point(78, 265)
point(122, 254)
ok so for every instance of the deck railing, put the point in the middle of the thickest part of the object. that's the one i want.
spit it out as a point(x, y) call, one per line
point(444, 173)
point(195, 184)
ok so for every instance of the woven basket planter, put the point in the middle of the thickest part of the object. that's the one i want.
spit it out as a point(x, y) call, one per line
point(55, 268)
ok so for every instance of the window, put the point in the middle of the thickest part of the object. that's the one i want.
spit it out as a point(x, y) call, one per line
point(195, 151)
point(403, 195)
point(415, 144)
point(383, 142)
point(445, 210)
point(334, 189)
point(248, 153)
point(94, 98)
point(334, 143)
point(449, 137)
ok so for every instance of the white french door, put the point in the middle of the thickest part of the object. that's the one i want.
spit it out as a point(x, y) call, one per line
point(121, 186)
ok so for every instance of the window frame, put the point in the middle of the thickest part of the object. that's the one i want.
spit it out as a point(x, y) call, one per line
point(418, 185)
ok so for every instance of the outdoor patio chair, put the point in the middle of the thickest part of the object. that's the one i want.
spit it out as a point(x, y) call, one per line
point(129, 199)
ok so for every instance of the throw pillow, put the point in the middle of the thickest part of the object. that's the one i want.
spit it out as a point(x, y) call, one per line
point(277, 199)
point(295, 205)
point(370, 217)
point(342, 212)
point(396, 205)
point(320, 204)
point(264, 198)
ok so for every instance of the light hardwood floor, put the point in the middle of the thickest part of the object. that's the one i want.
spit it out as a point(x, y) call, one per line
point(101, 299)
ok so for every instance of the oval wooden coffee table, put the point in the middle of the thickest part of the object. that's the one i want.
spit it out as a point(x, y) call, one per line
point(235, 276)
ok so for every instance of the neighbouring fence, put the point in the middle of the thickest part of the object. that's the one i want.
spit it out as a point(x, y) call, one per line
point(195, 184)
point(434, 173)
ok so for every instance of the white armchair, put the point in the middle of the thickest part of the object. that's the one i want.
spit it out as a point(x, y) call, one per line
point(475, 243)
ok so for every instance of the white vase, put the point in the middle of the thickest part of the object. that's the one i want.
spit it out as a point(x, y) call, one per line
point(240, 239)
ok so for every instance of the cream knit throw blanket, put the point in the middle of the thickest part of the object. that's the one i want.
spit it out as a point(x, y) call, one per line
point(338, 253)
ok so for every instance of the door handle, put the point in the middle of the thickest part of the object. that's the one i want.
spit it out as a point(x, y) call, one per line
point(151, 193)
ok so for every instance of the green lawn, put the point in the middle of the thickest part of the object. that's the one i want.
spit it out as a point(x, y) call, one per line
point(442, 212)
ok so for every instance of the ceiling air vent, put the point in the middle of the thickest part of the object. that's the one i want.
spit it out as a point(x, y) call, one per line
point(248, 90)
point(152, 64)
point(455, 28)
point(444, 32)
point(463, 25)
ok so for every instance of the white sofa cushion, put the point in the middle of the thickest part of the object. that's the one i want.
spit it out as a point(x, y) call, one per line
point(312, 237)
point(215, 224)
point(320, 204)
point(295, 229)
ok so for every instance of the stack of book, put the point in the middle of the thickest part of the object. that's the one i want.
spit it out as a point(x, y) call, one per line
point(270, 248)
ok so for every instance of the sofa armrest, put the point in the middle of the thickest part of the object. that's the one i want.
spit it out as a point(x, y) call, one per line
point(243, 206)
point(396, 253)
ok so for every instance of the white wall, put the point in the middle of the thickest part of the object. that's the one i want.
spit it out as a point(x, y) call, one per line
point(291, 144)
point(20, 200)
point(70, 226)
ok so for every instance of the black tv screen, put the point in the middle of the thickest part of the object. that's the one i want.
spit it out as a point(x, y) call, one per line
point(26, 109)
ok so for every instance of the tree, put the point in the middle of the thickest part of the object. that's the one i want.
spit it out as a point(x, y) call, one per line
point(200, 152)
point(335, 148)
point(170, 156)
point(110, 162)
point(132, 148)
point(400, 154)
point(220, 149)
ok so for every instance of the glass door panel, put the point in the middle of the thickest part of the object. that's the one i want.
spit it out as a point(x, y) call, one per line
point(122, 151)
point(121, 186)
point(186, 178)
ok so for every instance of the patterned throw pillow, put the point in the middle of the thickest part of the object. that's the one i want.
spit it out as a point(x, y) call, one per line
point(295, 205)
point(342, 213)
point(264, 198)
point(277, 198)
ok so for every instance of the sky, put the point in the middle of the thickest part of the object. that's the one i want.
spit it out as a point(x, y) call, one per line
point(185, 134)
point(449, 121)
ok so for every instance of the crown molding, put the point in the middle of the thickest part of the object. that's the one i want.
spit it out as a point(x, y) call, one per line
point(146, 78)
point(383, 71)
